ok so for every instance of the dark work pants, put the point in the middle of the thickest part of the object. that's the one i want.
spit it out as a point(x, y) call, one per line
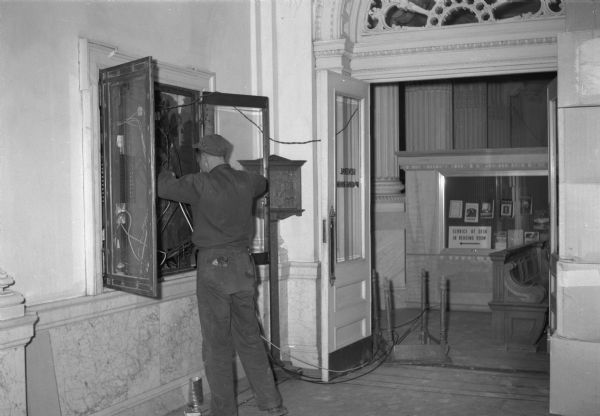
point(229, 324)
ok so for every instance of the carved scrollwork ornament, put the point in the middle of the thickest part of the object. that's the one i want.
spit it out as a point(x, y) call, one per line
point(392, 15)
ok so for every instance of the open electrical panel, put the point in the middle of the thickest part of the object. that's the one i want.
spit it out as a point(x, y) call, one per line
point(142, 121)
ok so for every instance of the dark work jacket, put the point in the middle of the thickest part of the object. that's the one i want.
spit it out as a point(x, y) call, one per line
point(221, 201)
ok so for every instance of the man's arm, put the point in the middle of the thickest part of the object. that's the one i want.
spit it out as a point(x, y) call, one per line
point(176, 189)
point(259, 184)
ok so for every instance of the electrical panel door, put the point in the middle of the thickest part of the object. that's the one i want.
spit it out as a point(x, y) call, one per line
point(128, 177)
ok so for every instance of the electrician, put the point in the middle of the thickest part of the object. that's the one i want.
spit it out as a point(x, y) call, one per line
point(222, 199)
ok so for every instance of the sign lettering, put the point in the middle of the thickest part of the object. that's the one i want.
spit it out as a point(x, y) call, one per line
point(469, 237)
point(347, 171)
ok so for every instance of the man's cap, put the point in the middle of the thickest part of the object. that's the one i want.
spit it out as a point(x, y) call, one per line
point(214, 144)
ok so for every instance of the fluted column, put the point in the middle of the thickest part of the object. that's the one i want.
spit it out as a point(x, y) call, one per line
point(428, 117)
point(16, 330)
point(388, 219)
point(386, 133)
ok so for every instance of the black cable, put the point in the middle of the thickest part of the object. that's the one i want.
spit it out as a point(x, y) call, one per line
point(296, 142)
point(199, 101)
point(396, 339)
point(377, 361)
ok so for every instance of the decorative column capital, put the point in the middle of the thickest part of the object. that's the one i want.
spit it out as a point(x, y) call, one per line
point(12, 304)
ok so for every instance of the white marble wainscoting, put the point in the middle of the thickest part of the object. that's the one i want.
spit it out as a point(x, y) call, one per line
point(299, 313)
point(103, 361)
point(389, 241)
point(116, 354)
point(180, 338)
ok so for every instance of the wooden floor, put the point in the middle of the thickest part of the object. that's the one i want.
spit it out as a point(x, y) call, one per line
point(471, 342)
point(475, 377)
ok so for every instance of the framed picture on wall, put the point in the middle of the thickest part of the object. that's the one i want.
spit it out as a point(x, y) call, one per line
point(506, 208)
point(455, 209)
point(487, 210)
point(526, 207)
point(471, 212)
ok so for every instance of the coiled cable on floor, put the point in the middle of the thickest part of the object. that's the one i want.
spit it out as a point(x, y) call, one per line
point(379, 356)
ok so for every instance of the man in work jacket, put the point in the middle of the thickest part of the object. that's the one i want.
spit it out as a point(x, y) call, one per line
point(222, 199)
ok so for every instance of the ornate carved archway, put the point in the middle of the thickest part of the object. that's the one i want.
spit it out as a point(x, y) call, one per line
point(381, 41)
point(393, 40)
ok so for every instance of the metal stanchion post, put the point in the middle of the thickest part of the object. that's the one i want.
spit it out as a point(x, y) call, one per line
point(424, 307)
point(388, 309)
point(443, 311)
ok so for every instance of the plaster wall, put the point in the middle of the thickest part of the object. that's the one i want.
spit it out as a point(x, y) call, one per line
point(293, 121)
point(41, 163)
point(286, 63)
point(113, 353)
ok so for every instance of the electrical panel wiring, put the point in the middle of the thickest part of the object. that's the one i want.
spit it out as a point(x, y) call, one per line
point(176, 127)
point(128, 177)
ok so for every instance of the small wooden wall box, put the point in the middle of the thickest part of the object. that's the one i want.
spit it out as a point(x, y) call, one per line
point(285, 187)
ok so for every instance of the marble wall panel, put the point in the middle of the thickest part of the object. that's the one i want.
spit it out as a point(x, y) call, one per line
point(180, 339)
point(389, 247)
point(103, 361)
point(299, 317)
point(578, 61)
point(422, 212)
point(390, 256)
point(579, 234)
point(581, 126)
point(12, 386)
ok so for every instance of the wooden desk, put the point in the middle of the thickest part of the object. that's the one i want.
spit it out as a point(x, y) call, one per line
point(520, 295)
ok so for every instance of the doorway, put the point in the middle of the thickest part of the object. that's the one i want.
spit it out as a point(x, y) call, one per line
point(450, 119)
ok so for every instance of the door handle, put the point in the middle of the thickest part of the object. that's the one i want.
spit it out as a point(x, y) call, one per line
point(332, 248)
